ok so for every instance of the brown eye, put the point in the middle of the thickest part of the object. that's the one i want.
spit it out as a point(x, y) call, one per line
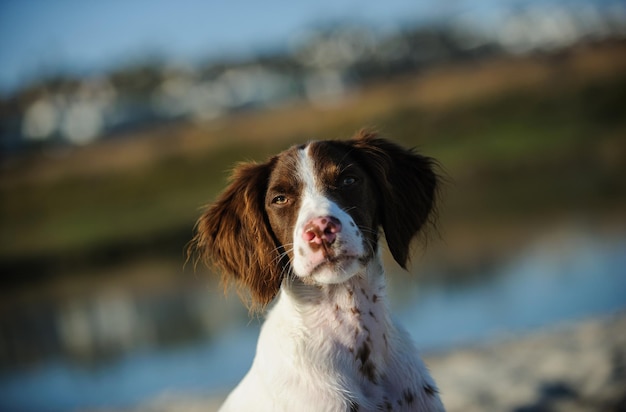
point(280, 200)
point(348, 181)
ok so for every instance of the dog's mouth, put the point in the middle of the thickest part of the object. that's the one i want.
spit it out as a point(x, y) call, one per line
point(337, 269)
point(334, 262)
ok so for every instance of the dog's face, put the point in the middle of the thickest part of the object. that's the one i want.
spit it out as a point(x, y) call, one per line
point(323, 209)
point(314, 211)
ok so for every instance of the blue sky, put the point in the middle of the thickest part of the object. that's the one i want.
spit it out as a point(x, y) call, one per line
point(73, 34)
point(42, 36)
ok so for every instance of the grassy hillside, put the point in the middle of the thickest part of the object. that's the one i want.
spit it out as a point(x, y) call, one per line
point(519, 140)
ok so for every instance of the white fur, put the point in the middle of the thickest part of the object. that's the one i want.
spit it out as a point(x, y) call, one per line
point(311, 346)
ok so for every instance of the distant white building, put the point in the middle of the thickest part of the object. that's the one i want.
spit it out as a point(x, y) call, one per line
point(78, 117)
point(182, 94)
point(41, 119)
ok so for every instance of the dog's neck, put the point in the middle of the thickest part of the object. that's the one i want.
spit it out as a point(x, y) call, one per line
point(350, 319)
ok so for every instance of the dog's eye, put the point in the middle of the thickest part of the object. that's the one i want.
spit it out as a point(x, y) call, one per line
point(348, 181)
point(280, 200)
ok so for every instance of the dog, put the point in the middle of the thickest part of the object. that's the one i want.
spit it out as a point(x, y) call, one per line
point(304, 230)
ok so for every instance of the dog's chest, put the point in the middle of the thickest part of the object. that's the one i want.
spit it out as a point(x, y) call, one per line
point(348, 329)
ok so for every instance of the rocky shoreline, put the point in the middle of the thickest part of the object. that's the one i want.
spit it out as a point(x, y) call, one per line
point(572, 367)
point(577, 366)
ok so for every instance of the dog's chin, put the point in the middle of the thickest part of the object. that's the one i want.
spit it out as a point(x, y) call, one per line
point(335, 271)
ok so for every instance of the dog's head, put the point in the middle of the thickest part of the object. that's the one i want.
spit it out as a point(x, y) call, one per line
point(314, 211)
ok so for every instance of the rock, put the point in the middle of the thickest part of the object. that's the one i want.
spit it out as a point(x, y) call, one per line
point(573, 367)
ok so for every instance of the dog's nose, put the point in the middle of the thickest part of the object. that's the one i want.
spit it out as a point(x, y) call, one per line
point(321, 230)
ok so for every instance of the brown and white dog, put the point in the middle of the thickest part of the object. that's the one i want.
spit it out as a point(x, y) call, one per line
point(304, 228)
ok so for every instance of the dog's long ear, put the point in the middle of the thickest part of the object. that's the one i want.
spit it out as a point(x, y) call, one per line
point(407, 185)
point(234, 235)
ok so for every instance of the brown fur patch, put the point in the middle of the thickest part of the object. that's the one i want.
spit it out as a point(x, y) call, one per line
point(404, 176)
point(234, 235)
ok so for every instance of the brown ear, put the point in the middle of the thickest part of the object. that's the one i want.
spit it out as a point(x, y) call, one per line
point(407, 186)
point(235, 236)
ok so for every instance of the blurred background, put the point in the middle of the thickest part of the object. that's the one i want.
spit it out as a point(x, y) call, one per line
point(119, 120)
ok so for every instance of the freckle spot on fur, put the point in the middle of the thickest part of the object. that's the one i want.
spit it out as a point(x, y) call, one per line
point(336, 307)
point(385, 339)
point(430, 390)
point(363, 354)
point(374, 298)
point(367, 367)
point(386, 405)
point(409, 396)
point(352, 224)
point(372, 315)
point(355, 311)
point(365, 294)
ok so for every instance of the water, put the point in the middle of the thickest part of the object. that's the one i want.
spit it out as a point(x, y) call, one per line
point(562, 279)
point(553, 281)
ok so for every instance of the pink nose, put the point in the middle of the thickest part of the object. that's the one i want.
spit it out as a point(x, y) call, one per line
point(321, 230)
